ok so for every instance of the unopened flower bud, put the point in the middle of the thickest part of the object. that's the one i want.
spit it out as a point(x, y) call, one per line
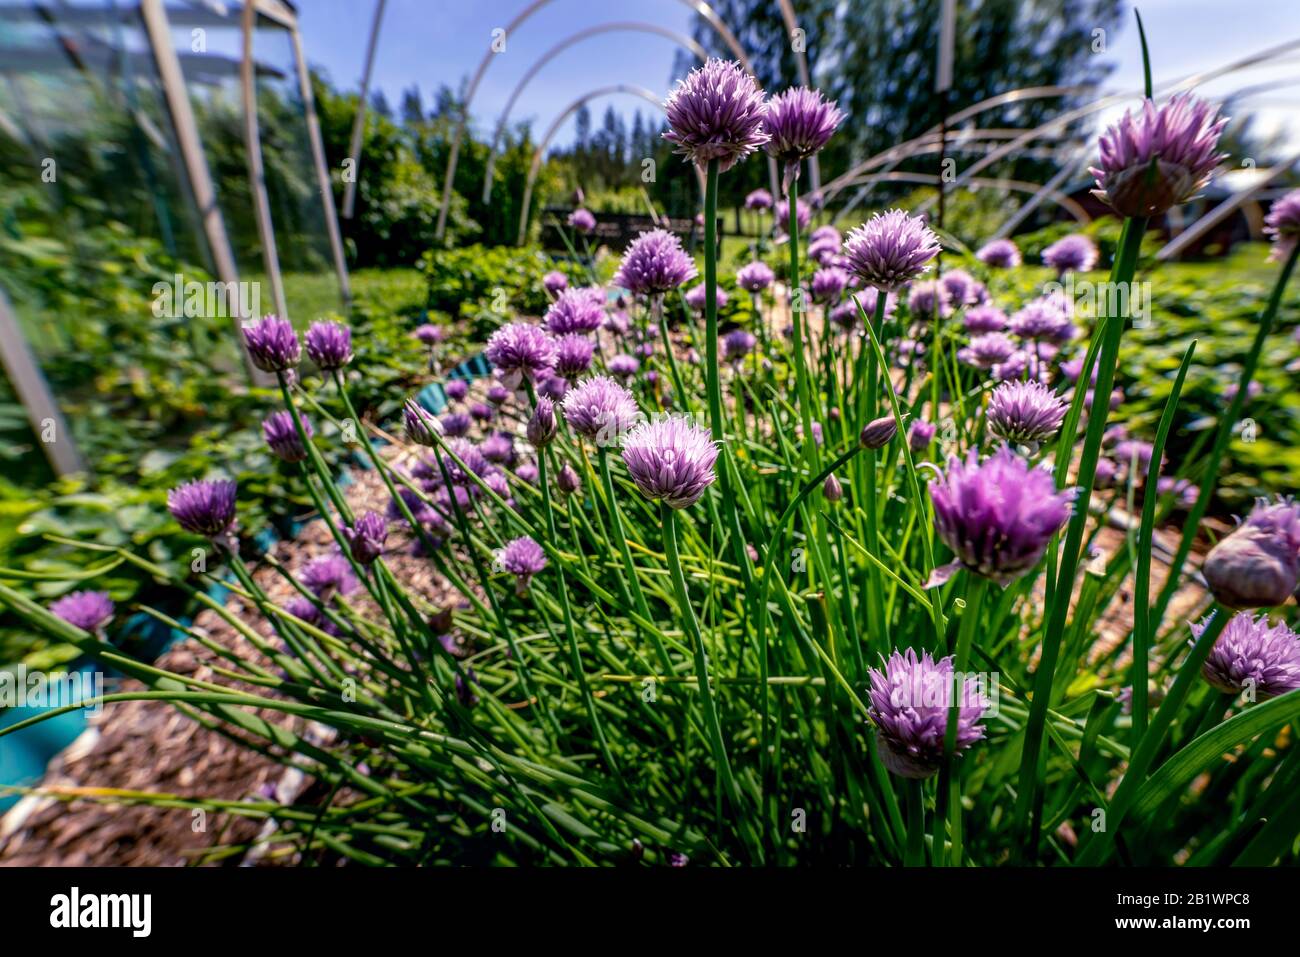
point(568, 480)
point(440, 621)
point(1258, 565)
point(542, 425)
point(832, 489)
point(877, 433)
point(422, 427)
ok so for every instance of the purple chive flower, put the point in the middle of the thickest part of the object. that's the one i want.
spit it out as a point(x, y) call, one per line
point(816, 432)
point(754, 277)
point(527, 473)
point(429, 334)
point(582, 220)
point(911, 699)
point(496, 480)
point(420, 510)
point(671, 460)
point(1181, 489)
point(456, 423)
point(890, 249)
point(1116, 400)
point(623, 365)
point(272, 344)
point(282, 435)
point(826, 232)
point(982, 319)
point(1135, 456)
point(1015, 366)
point(366, 537)
point(553, 387)
point(498, 394)
point(962, 288)
point(329, 575)
point(824, 251)
point(1025, 413)
point(828, 284)
point(920, 435)
point(1258, 565)
point(716, 113)
point(832, 489)
point(911, 347)
point(802, 212)
point(522, 558)
point(573, 356)
point(1047, 318)
point(499, 447)
point(450, 500)
point(555, 282)
point(759, 199)
point(468, 453)
point(520, 351)
point(737, 344)
point(654, 263)
point(800, 122)
point(206, 507)
point(1073, 253)
point(1252, 655)
point(542, 425)
point(844, 315)
point(1282, 225)
point(601, 410)
point(455, 389)
point(695, 297)
point(925, 298)
point(1160, 157)
point(482, 412)
point(422, 427)
point(1107, 474)
point(1071, 369)
point(88, 610)
point(988, 350)
point(576, 311)
point(998, 515)
point(870, 297)
point(999, 254)
point(329, 345)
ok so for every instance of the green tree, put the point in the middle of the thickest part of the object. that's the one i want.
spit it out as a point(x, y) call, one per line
point(878, 58)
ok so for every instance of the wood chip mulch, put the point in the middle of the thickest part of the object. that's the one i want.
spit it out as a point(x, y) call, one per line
point(151, 746)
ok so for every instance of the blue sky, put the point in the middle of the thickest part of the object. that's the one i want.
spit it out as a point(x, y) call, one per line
point(430, 42)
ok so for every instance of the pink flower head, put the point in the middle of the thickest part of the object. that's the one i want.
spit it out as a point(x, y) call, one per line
point(911, 701)
point(671, 460)
point(716, 113)
point(998, 515)
point(521, 351)
point(1160, 157)
point(890, 249)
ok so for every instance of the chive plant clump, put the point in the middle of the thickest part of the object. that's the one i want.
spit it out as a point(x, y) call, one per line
point(854, 556)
